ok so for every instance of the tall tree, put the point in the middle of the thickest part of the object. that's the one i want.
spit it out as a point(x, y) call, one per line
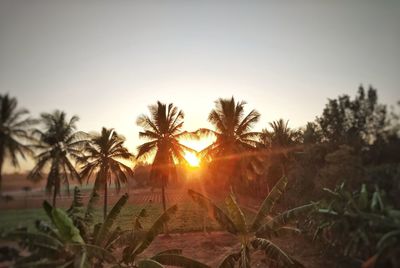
point(103, 155)
point(162, 129)
point(234, 138)
point(13, 129)
point(281, 135)
point(279, 143)
point(58, 144)
point(358, 122)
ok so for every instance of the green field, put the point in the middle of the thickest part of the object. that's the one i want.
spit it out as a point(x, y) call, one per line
point(189, 217)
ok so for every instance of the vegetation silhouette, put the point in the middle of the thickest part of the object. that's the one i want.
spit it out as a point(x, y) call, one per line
point(232, 130)
point(351, 147)
point(163, 129)
point(102, 155)
point(257, 234)
point(58, 143)
point(14, 129)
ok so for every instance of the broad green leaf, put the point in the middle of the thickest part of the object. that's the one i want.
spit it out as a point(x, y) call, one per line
point(148, 263)
point(170, 251)
point(66, 228)
point(178, 260)
point(287, 216)
point(236, 213)
point(35, 237)
point(377, 202)
point(363, 198)
point(389, 238)
point(96, 251)
point(230, 260)
point(269, 203)
point(109, 221)
point(273, 252)
point(214, 211)
point(156, 229)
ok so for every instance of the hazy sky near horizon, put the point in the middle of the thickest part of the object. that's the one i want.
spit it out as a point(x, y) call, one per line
point(106, 61)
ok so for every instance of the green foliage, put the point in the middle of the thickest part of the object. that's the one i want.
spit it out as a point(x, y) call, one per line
point(274, 252)
point(105, 228)
point(269, 202)
point(214, 211)
point(178, 260)
point(102, 155)
point(137, 246)
point(358, 122)
point(14, 128)
point(359, 224)
point(57, 144)
point(253, 237)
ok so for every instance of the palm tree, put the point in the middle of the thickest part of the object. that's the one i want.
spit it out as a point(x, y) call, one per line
point(102, 157)
point(280, 136)
point(13, 128)
point(57, 144)
point(162, 129)
point(279, 141)
point(233, 134)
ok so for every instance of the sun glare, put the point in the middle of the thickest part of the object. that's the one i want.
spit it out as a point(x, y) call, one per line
point(192, 159)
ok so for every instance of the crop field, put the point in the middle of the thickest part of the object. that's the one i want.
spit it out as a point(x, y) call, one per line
point(189, 217)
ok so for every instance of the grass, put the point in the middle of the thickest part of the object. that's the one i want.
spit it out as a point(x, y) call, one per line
point(189, 217)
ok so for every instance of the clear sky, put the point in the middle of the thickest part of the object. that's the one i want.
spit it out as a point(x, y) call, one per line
point(107, 61)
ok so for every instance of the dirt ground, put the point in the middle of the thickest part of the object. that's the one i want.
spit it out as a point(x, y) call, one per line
point(211, 248)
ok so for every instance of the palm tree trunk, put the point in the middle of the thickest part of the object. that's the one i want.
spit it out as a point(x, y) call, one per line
point(105, 199)
point(166, 231)
point(163, 195)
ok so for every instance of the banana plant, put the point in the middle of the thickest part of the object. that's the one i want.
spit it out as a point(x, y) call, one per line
point(362, 224)
point(139, 240)
point(68, 240)
point(256, 235)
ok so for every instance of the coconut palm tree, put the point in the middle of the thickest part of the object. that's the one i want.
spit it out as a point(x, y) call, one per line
point(13, 128)
point(58, 144)
point(162, 129)
point(232, 130)
point(280, 136)
point(102, 157)
point(279, 142)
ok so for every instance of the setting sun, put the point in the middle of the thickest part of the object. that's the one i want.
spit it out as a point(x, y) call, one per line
point(192, 159)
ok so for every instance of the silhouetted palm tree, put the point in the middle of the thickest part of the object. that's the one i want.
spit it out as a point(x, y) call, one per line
point(57, 144)
point(278, 143)
point(13, 128)
point(233, 134)
point(281, 135)
point(102, 157)
point(163, 129)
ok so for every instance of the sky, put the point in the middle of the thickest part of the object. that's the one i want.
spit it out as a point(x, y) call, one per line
point(106, 61)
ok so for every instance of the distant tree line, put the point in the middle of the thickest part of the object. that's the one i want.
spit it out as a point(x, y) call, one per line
point(354, 140)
